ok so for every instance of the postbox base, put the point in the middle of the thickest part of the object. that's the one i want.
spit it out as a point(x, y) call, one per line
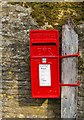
point(46, 96)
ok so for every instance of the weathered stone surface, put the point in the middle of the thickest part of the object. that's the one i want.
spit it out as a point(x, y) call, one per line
point(81, 73)
point(69, 72)
point(16, 99)
point(17, 102)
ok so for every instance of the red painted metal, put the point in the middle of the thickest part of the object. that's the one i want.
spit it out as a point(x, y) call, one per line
point(45, 44)
point(72, 85)
point(66, 56)
point(71, 55)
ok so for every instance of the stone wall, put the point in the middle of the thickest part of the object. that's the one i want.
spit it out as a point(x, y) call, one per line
point(16, 95)
point(17, 100)
point(81, 73)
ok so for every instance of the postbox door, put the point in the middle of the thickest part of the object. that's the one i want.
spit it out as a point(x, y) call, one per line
point(50, 87)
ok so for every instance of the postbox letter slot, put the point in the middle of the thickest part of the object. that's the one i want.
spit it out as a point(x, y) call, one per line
point(43, 44)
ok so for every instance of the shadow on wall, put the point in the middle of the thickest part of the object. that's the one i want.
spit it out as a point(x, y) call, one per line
point(54, 108)
point(24, 83)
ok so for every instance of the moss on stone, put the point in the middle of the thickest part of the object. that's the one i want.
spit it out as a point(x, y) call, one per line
point(56, 13)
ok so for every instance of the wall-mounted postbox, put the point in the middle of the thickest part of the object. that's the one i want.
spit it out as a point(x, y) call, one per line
point(44, 63)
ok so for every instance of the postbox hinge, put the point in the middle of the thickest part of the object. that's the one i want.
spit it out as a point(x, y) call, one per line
point(70, 55)
point(72, 85)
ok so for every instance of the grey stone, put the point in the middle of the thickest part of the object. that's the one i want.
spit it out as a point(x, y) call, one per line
point(22, 14)
point(19, 8)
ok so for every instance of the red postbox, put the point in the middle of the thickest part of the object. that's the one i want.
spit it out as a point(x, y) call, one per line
point(44, 63)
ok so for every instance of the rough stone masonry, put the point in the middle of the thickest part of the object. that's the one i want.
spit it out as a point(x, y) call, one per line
point(16, 94)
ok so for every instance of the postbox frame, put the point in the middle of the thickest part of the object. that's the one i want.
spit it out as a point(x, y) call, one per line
point(50, 38)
